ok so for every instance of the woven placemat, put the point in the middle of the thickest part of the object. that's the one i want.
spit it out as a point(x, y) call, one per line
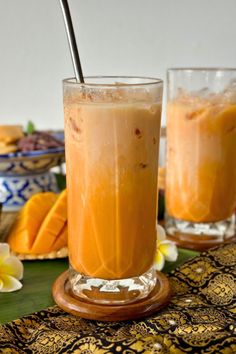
point(6, 221)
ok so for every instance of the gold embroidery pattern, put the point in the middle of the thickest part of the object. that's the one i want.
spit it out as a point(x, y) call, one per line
point(226, 256)
point(209, 315)
point(178, 287)
point(201, 318)
point(197, 272)
point(221, 289)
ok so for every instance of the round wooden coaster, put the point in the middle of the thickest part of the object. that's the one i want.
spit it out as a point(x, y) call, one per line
point(197, 243)
point(157, 299)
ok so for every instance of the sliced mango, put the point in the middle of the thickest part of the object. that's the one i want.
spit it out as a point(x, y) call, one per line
point(51, 226)
point(29, 220)
point(61, 240)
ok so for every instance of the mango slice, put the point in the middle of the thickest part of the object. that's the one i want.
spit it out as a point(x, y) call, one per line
point(62, 239)
point(29, 220)
point(51, 226)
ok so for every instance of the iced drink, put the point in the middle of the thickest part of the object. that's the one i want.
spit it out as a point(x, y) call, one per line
point(201, 182)
point(112, 139)
point(201, 153)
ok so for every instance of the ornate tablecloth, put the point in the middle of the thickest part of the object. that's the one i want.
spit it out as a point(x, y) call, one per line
point(201, 318)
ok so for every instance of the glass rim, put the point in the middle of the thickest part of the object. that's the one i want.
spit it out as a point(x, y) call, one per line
point(201, 69)
point(146, 81)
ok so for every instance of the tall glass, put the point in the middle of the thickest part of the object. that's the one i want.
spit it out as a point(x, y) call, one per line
point(201, 154)
point(112, 140)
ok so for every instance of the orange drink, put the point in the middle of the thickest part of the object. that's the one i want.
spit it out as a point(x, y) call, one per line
point(201, 154)
point(112, 139)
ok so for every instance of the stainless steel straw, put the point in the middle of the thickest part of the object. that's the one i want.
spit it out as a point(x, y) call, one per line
point(72, 41)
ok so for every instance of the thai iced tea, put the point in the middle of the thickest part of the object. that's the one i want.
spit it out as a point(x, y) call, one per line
point(112, 140)
point(201, 182)
point(201, 154)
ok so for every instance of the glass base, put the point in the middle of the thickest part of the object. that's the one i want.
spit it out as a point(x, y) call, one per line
point(209, 232)
point(118, 291)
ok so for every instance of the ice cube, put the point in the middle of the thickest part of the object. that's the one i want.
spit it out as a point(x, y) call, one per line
point(229, 94)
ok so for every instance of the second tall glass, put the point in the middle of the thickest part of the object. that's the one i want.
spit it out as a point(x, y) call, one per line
point(201, 154)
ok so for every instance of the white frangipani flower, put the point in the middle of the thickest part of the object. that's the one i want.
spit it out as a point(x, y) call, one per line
point(166, 250)
point(11, 270)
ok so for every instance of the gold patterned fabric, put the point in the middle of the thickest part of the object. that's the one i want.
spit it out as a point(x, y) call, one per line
point(201, 318)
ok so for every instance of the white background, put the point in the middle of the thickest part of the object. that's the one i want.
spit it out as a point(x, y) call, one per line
point(129, 37)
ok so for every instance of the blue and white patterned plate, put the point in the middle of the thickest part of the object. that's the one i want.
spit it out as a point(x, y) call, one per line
point(38, 161)
point(23, 174)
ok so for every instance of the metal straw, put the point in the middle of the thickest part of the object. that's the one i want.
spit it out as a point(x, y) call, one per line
point(72, 41)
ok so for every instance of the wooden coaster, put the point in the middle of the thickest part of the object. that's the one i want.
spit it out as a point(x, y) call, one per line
point(65, 299)
point(197, 243)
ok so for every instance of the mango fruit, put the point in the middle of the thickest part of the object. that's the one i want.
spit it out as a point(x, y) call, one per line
point(41, 225)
